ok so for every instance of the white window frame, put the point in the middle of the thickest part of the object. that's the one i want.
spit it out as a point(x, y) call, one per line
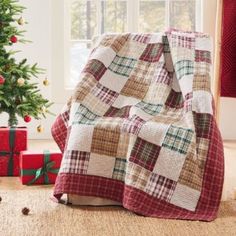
point(61, 41)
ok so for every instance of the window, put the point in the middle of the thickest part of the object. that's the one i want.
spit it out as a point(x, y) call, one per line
point(90, 18)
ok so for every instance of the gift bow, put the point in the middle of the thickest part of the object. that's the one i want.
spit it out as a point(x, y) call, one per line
point(10, 152)
point(42, 171)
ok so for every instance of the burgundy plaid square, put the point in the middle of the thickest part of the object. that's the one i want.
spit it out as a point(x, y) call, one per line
point(118, 112)
point(132, 125)
point(105, 94)
point(175, 99)
point(152, 53)
point(76, 162)
point(202, 56)
point(160, 187)
point(144, 154)
point(95, 68)
point(161, 75)
point(142, 38)
point(203, 122)
point(183, 41)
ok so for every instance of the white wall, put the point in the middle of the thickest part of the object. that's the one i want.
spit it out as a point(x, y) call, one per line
point(39, 16)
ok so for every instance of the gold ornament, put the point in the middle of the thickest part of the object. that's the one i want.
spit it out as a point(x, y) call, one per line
point(21, 81)
point(46, 82)
point(40, 129)
point(43, 109)
point(21, 21)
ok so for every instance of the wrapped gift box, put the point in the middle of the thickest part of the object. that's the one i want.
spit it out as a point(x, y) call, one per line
point(13, 140)
point(39, 167)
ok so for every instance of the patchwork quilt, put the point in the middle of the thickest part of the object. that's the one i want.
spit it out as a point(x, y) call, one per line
point(140, 127)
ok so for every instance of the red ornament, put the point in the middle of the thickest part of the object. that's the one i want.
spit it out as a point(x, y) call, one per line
point(2, 80)
point(13, 39)
point(27, 118)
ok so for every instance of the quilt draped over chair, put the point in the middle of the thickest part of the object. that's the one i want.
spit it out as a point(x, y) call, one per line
point(140, 127)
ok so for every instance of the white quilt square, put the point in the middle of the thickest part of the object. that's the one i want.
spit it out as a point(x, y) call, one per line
point(202, 102)
point(169, 164)
point(101, 165)
point(186, 84)
point(204, 44)
point(80, 138)
point(123, 101)
point(153, 132)
point(140, 113)
point(185, 197)
point(113, 81)
point(104, 54)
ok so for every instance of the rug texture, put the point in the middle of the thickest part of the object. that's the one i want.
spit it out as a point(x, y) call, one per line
point(50, 219)
point(140, 127)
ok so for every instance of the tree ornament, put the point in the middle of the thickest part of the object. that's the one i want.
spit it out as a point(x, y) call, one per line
point(13, 39)
point(21, 82)
point(46, 82)
point(21, 21)
point(40, 129)
point(27, 118)
point(2, 80)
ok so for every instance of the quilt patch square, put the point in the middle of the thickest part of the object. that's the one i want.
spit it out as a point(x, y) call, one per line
point(123, 101)
point(123, 145)
point(105, 141)
point(175, 99)
point(109, 79)
point(152, 52)
point(178, 139)
point(192, 172)
point(119, 169)
point(202, 56)
point(84, 87)
point(202, 148)
point(160, 187)
point(185, 197)
point(153, 132)
point(95, 104)
point(144, 154)
point(151, 109)
point(202, 102)
point(104, 94)
point(202, 68)
point(203, 123)
point(122, 65)
point(202, 82)
point(101, 165)
point(83, 141)
point(184, 67)
point(136, 176)
point(84, 116)
point(132, 125)
point(95, 68)
point(118, 112)
point(169, 164)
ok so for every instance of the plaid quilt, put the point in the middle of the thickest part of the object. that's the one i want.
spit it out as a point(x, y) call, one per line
point(140, 127)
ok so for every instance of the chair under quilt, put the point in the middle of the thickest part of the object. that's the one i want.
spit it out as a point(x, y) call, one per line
point(140, 127)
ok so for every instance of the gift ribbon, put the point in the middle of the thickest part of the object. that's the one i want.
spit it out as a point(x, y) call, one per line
point(11, 152)
point(42, 171)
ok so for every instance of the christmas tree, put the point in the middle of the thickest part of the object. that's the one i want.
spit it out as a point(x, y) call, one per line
point(19, 95)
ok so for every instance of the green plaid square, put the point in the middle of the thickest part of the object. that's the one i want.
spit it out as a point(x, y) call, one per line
point(178, 139)
point(84, 116)
point(119, 169)
point(151, 109)
point(122, 65)
point(184, 67)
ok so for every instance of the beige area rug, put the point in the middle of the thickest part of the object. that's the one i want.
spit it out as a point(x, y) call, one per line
point(49, 218)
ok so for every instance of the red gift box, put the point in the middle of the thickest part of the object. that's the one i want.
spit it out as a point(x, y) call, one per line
point(39, 167)
point(13, 140)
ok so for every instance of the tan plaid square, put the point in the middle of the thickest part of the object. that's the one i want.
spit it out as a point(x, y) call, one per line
point(202, 82)
point(123, 145)
point(84, 87)
point(105, 141)
point(94, 104)
point(116, 43)
point(192, 172)
point(202, 148)
point(109, 122)
point(201, 68)
point(132, 49)
point(137, 176)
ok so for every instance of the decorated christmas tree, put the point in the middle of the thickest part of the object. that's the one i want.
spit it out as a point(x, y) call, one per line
point(19, 93)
